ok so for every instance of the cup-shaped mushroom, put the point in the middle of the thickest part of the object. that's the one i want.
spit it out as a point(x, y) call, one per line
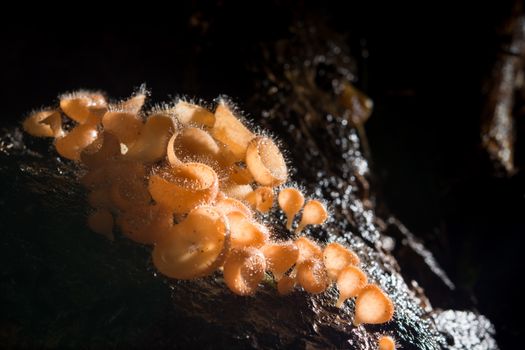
point(70, 145)
point(126, 126)
point(129, 193)
point(44, 123)
point(84, 106)
point(280, 257)
point(151, 144)
point(229, 130)
point(246, 232)
point(145, 224)
point(192, 144)
point(291, 200)
point(134, 103)
point(286, 285)
point(236, 191)
point(244, 270)
point(350, 281)
point(182, 188)
point(373, 306)
point(386, 342)
point(195, 247)
point(103, 150)
point(308, 249)
point(314, 213)
point(336, 257)
point(190, 114)
point(228, 205)
point(311, 275)
point(261, 199)
point(101, 222)
point(266, 162)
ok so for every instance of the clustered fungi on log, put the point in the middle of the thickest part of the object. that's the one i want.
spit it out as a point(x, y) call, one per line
point(181, 178)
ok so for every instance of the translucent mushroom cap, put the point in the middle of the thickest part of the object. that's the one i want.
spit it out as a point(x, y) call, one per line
point(350, 281)
point(261, 198)
point(44, 123)
point(71, 145)
point(336, 257)
point(191, 114)
point(308, 249)
point(314, 213)
point(229, 130)
point(386, 342)
point(195, 247)
point(244, 270)
point(311, 275)
point(373, 306)
point(84, 106)
point(246, 232)
point(280, 257)
point(192, 144)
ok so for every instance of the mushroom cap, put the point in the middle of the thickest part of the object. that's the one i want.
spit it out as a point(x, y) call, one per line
point(126, 126)
point(182, 188)
point(195, 247)
point(286, 285)
point(291, 200)
point(103, 150)
point(229, 130)
point(386, 342)
point(228, 205)
point(373, 306)
point(44, 123)
point(350, 281)
point(145, 224)
point(280, 257)
point(84, 106)
point(194, 145)
point(266, 162)
point(151, 144)
point(129, 193)
point(246, 232)
point(308, 249)
point(311, 275)
point(336, 257)
point(261, 198)
point(244, 270)
point(190, 114)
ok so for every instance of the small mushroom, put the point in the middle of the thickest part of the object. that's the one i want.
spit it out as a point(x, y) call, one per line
point(314, 213)
point(192, 144)
point(126, 126)
point(311, 275)
point(373, 306)
point(265, 162)
point(280, 257)
point(228, 205)
point(336, 257)
point(101, 221)
point(291, 200)
point(308, 249)
point(386, 342)
point(244, 270)
point(71, 145)
point(350, 281)
point(261, 199)
point(195, 247)
point(182, 188)
point(151, 144)
point(134, 103)
point(229, 130)
point(84, 106)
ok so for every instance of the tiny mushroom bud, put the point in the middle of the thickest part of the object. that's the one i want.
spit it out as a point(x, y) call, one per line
point(266, 162)
point(244, 270)
point(314, 213)
point(190, 114)
point(101, 221)
point(280, 257)
point(373, 306)
point(350, 282)
point(291, 200)
point(70, 145)
point(311, 275)
point(182, 188)
point(195, 247)
point(261, 199)
point(386, 342)
point(336, 257)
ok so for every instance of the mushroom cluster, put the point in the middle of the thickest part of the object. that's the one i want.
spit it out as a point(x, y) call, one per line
point(196, 184)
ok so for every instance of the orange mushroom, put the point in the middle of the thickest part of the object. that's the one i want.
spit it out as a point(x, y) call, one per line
point(311, 275)
point(151, 144)
point(229, 130)
point(84, 106)
point(265, 162)
point(183, 188)
point(314, 213)
point(104, 149)
point(336, 257)
point(192, 144)
point(280, 257)
point(291, 200)
point(44, 123)
point(195, 247)
point(286, 285)
point(350, 281)
point(126, 126)
point(145, 224)
point(246, 232)
point(190, 114)
point(373, 306)
point(261, 198)
point(70, 145)
point(386, 342)
point(228, 205)
point(244, 270)
point(308, 249)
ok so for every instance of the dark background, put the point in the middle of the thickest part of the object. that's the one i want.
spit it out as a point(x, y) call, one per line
point(425, 69)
